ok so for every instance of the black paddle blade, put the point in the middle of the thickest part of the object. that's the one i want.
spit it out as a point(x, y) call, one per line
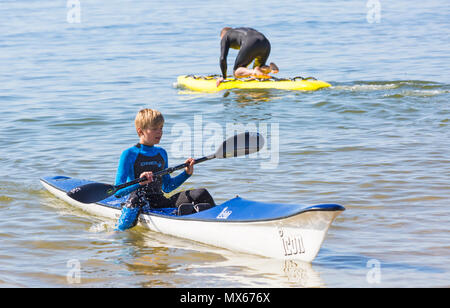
point(91, 193)
point(240, 145)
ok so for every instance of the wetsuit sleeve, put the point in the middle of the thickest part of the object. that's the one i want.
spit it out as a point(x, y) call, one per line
point(170, 183)
point(224, 48)
point(125, 173)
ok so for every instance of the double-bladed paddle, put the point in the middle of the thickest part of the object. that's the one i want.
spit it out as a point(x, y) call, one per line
point(238, 145)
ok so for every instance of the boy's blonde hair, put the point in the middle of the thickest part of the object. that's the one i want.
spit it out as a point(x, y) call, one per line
point(148, 118)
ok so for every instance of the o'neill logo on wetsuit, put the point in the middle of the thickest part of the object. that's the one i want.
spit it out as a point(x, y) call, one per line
point(150, 163)
point(224, 214)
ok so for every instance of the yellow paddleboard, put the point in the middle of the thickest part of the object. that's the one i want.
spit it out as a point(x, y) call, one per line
point(208, 83)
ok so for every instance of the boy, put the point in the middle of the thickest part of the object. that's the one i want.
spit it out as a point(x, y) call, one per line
point(252, 45)
point(142, 160)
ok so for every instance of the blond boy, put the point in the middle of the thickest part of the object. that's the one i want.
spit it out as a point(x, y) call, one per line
point(143, 160)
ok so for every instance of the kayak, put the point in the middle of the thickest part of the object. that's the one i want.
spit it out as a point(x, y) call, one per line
point(208, 83)
point(282, 231)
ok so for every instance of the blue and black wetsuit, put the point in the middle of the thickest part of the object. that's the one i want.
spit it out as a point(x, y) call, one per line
point(142, 158)
point(252, 45)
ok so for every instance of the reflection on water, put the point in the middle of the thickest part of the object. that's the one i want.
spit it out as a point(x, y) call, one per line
point(245, 98)
point(144, 258)
point(184, 259)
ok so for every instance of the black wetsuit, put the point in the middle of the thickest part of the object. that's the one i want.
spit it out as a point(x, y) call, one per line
point(253, 45)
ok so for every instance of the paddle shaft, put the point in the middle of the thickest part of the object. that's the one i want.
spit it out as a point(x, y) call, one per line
point(238, 145)
point(230, 143)
point(163, 172)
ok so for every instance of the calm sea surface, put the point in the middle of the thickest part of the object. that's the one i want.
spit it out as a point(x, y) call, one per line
point(377, 142)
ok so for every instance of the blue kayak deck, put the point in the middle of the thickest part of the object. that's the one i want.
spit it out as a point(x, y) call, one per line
point(236, 209)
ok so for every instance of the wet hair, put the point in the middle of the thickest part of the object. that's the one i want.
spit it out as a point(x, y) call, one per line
point(225, 30)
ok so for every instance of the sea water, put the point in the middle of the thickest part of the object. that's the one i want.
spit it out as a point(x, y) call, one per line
point(73, 75)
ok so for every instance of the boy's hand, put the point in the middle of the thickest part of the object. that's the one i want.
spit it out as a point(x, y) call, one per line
point(148, 175)
point(190, 168)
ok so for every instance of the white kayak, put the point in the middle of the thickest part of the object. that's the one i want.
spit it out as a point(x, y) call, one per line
point(282, 231)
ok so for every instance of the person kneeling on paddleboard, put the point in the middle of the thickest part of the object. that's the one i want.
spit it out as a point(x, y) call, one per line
point(143, 160)
point(252, 45)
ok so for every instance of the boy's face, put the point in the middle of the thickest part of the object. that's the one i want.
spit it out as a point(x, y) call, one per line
point(151, 136)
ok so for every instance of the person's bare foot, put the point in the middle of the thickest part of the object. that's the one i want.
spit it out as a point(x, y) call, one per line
point(258, 73)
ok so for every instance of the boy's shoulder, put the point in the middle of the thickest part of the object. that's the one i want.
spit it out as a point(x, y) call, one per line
point(160, 150)
point(131, 150)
